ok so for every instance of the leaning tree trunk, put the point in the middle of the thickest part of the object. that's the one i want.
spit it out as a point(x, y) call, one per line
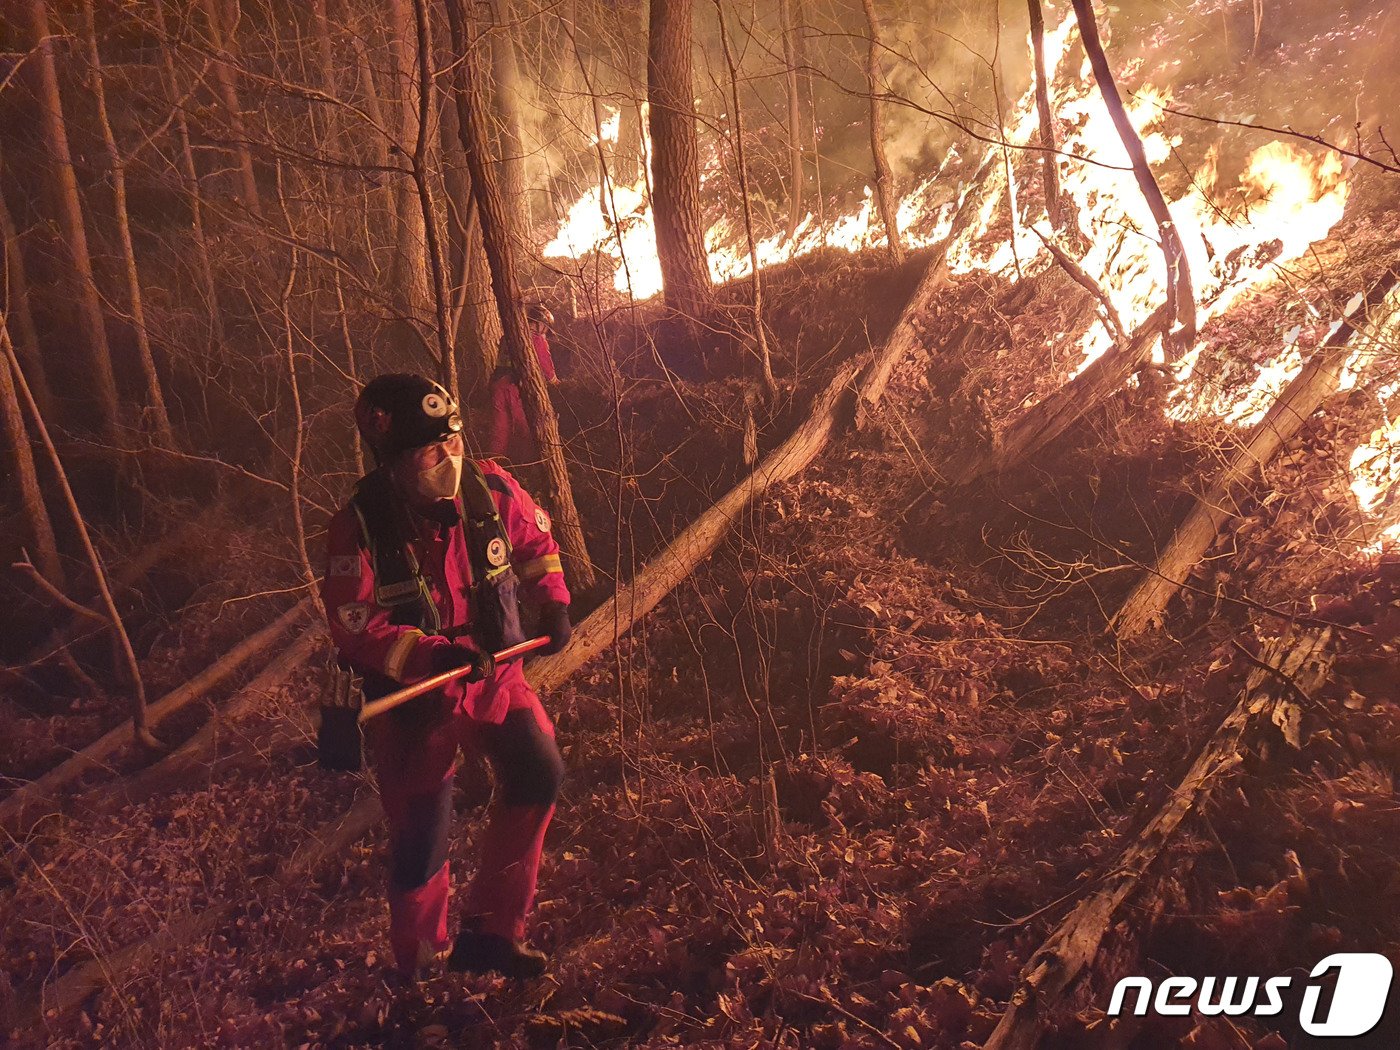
point(31, 497)
point(884, 180)
point(226, 79)
point(1320, 379)
point(1041, 424)
point(411, 266)
point(472, 118)
point(1048, 143)
point(675, 162)
point(1287, 663)
point(138, 687)
point(1179, 292)
point(70, 217)
point(159, 417)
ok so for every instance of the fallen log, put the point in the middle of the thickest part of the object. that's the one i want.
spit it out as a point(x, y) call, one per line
point(1296, 661)
point(200, 752)
point(1045, 421)
point(40, 797)
point(1319, 379)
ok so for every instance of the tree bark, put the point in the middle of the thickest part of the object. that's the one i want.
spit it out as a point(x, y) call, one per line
point(1048, 140)
point(1179, 291)
point(159, 417)
point(70, 217)
point(510, 141)
point(138, 687)
point(226, 79)
point(15, 290)
point(472, 118)
point(680, 237)
point(1319, 379)
point(796, 177)
point(1073, 944)
point(31, 496)
point(760, 336)
point(411, 267)
point(884, 180)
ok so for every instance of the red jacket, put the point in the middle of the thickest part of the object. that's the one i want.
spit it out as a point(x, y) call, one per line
point(361, 629)
point(510, 434)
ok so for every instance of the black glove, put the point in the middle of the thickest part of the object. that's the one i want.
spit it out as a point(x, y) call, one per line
point(554, 621)
point(451, 657)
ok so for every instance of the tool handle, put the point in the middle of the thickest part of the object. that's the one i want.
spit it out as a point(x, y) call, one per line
point(437, 681)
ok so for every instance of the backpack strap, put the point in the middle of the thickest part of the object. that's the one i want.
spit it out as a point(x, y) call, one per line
point(398, 583)
point(488, 545)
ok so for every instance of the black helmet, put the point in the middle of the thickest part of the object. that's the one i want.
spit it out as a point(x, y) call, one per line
point(399, 411)
point(538, 313)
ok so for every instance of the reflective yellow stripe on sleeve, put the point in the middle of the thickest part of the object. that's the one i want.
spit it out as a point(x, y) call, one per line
point(399, 652)
point(533, 570)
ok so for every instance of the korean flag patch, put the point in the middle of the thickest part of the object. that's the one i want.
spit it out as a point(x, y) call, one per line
point(496, 552)
point(353, 617)
point(542, 521)
point(346, 565)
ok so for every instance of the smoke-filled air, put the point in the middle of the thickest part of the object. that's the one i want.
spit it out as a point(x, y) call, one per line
point(827, 524)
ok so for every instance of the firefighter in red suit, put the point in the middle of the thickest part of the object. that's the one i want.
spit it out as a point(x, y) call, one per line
point(510, 435)
point(405, 601)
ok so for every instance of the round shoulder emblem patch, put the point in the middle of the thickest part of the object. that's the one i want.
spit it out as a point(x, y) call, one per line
point(496, 552)
point(542, 521)
point(435, 405)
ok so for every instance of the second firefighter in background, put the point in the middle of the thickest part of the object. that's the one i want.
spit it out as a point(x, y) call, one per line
point(425, 566)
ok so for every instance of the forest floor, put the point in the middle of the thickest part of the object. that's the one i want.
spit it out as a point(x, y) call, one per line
point(836, 790)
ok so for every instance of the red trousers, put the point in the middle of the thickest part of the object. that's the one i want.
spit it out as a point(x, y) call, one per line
point(414, 753)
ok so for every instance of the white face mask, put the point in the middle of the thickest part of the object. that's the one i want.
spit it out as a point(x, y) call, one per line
point(442, 480)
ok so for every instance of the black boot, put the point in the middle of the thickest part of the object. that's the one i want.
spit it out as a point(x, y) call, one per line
point(476, 952)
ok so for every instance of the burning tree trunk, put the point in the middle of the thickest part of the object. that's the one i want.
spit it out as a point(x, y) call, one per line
point(796, 178)
point(1302, 662)
point(1179, 293)
point(1319, 380)
point(680, 237)
point(70, 218)
point(159, 417)
point(1049, 167)
point(227, 80)
point(472, 120)
point(884, 180)
point(31, 496)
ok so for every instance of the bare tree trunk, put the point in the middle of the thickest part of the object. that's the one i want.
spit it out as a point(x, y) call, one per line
point(474, 324)
point(138, 687)
point(189, 173)
point(680, 237)
point(31, 496)
point(472, 118)
point(760, 335)
point(796, 178)
point(15, 289)
point(411, 267)
point(159, 417)
point(1049, 168)
point(884, 180)
point(1319, 379)
point(70, 217)
point(505, 71)
point(1180, 296)
point(226, 78)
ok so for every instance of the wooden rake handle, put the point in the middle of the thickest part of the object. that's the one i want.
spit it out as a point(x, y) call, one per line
point(437, 681)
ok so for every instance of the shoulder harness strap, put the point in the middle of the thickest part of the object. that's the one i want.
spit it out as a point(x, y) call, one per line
point(397, 579)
